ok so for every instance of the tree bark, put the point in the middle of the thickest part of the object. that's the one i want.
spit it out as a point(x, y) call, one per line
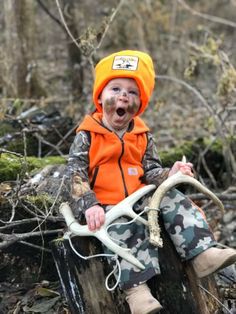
point(177, 288)
point(21, 74)
point(74, 53)
point(83, 282)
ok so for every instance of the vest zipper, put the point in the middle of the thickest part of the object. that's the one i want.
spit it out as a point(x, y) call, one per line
point(94, 177)
point(121, 170)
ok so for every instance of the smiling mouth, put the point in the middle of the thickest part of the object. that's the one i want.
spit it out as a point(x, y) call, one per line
point(120, 112)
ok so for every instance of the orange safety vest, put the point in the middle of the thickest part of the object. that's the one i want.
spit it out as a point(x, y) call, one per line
point(115, 164)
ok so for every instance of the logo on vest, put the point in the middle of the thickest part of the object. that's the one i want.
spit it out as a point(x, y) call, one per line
point(125, 63)
point(132, 171)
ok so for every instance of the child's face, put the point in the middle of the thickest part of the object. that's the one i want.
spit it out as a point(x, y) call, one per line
point(120, 100)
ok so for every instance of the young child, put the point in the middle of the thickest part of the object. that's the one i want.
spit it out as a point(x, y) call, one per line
point(113, 155)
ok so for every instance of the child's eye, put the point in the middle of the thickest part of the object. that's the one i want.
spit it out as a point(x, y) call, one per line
point(134, 92)
point(115, 89)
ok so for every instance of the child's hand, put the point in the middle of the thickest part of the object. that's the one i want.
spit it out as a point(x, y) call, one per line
point(95, 217)
point(184, 167)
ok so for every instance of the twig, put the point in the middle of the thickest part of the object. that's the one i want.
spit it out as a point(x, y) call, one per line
point(58, 194)
point(9, 239)
point(64, 138)
point(39, 137)
point(17, 223)
point(221, 196)
point(34, 207)
point(199, 96)
point(46, 10)
point(5, 151)
point(35, 246)
point(66, 26)
point(38, 101)
point(208, 17)
point(215, 298)
point(42, 216)
point(210, 175)
point(13, 211)
point(112, 17)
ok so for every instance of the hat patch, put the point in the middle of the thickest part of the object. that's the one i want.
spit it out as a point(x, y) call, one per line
point(125, 63)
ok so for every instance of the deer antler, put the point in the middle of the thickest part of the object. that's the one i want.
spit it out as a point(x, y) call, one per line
point(157, 197)
point(124, 208)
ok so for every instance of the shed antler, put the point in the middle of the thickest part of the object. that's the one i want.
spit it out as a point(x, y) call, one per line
point(124, 208)
point(157, 197)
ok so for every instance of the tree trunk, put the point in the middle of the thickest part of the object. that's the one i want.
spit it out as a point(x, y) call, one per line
point(21, 74)
point(177, 288)
point(74, 53)
point(83, 282)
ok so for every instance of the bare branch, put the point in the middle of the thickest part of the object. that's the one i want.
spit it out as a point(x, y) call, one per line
point(76, 42)
point(9, 239)
point(199, 96)
point(41, 248)
point(47, 11)
point(66, 26)
point(17, 223)
point(221, 196)
point(112, 17)
point(208, 17)
point(5, 151)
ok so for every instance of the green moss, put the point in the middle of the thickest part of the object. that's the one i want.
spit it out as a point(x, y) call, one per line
point(215, 146)
point(35, 163)
point(13, 167)
point(10, 167)
point(169, 157)
point(41, 200)
point(192, 149)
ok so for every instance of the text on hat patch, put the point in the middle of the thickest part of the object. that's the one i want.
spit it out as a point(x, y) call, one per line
point(125, 63)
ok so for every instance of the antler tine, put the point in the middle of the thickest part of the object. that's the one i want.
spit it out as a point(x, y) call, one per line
point(125, 207)
point(159, 194)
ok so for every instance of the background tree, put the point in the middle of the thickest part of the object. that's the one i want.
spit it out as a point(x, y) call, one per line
point(21, 78)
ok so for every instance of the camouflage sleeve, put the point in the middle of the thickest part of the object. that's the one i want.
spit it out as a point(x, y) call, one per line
point(154, 173)
point(77, 168)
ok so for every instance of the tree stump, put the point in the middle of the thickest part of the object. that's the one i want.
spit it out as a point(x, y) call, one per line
point(83, 281)
point(177, 287)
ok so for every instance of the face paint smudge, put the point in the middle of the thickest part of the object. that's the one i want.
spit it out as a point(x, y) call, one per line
point(133, 108)
point(110, 105)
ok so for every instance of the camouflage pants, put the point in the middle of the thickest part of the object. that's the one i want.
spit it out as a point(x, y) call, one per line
point(186, 226)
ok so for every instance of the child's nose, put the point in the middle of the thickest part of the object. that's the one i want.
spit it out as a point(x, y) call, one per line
point(124, 93)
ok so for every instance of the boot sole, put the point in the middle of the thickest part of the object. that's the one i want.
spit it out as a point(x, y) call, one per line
point(229, 261)
point(153, 311)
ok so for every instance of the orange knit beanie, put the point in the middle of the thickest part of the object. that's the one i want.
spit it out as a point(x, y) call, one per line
point(127, 63)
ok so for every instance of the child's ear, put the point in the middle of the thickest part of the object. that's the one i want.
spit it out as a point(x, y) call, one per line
point(99, 101)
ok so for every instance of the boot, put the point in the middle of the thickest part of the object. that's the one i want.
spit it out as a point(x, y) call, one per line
point(141, 301)
point(212, 260)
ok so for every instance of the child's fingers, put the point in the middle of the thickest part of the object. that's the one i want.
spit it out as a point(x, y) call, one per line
point(187, 170)
point(95, 217)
